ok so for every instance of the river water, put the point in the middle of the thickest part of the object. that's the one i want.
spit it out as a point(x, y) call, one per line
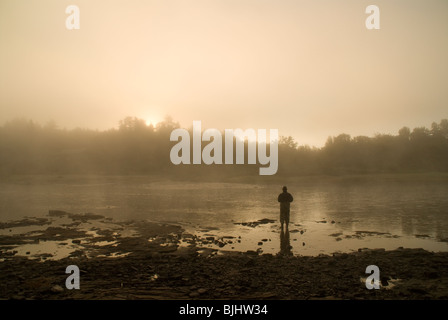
point(326, 216)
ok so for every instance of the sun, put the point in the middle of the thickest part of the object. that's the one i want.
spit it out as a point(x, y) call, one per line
point(151, 119)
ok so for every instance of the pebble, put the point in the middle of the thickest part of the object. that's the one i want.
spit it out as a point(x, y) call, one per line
point(57, 289)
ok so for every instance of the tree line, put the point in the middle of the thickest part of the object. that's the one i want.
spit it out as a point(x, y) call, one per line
point(27, 147)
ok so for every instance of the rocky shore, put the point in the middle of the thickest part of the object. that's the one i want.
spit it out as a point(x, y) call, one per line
point(144, 260)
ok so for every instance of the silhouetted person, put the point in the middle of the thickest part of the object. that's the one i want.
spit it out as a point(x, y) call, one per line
point(285, 198)
point(285, 246)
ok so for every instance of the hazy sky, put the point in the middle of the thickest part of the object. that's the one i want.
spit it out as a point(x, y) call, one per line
point(308, 68)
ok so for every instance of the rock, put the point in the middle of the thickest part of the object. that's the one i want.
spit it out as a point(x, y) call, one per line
point(254, 224)
point(260, 243)
point(337, 234)
point(86, 216)
point(252, 253)
point(27, 252)
point(432, 274)
point(57, 289)
point(194, 295)
point(250, 263)
point(419, 291)
point(76, 241)
point(332, 221)
point(303, 243)
point(202, 290)
point(56, 213)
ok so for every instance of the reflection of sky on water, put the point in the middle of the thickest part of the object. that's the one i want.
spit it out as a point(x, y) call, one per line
point(317, 238)
point(400, 209)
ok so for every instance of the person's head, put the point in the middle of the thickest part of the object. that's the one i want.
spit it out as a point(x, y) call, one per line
point(285, 189)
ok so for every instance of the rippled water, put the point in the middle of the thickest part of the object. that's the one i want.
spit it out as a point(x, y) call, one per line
point(392, 213)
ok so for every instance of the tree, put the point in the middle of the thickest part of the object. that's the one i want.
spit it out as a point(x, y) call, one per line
point(404, 133)
point(132, 124)
point(288, 142)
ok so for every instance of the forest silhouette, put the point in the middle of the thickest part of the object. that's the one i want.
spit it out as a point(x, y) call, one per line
point(27, 147)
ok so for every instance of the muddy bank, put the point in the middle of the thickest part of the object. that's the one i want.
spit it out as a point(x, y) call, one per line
point(405, 274)
point(148, 260)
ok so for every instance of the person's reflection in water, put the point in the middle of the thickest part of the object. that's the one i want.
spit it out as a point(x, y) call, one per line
point(285, 246)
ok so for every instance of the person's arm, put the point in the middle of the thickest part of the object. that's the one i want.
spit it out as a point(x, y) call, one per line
point(291, 199)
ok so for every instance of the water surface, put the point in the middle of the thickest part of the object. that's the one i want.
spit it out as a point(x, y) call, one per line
point(326, 216)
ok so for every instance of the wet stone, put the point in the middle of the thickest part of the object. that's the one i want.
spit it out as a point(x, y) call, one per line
point(57, 289)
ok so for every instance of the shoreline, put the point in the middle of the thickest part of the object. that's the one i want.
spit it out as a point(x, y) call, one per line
point(143, 260)
point(399, 177)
